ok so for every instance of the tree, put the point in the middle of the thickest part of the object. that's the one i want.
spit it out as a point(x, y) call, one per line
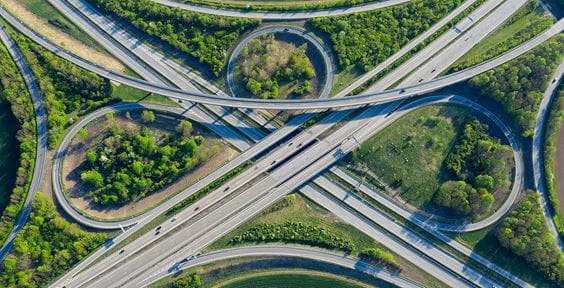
point(148, 116)
point(184, 128)
point(83, 133)
point(93, 178)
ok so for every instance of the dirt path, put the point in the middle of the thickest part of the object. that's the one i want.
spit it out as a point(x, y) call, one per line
point(55, 35)
point(559, 171)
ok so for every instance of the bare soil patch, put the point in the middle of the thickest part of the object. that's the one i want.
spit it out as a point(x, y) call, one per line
point(59, 37)
point(164, 124)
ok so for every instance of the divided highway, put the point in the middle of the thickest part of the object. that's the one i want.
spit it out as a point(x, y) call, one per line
point(305, 104)
point(41, 148)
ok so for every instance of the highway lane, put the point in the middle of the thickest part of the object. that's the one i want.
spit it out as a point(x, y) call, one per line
point(309, 37)
point(121, 35)
point(41, 138)
point(137, 55)
point(406, 48)
point(538, 153)
point(286, 251)
point(281, 15)
point(304, 104)
point(446, 57)
point(438, 45)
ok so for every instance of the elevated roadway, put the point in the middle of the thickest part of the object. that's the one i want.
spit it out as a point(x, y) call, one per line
point(280, 15)
point(304, 104)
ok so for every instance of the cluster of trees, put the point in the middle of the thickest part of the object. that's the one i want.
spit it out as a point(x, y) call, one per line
point(480, 164)
point(128, 165)
point(46, 247)
point(205, 37)
point(366, 39)
point(14, 90)
point(190, 281)
point(66, 88)
point(525, 233)
point(267, 63)
point(379, 257)
point(553, 126)
point(294, 232)
point(519, 85)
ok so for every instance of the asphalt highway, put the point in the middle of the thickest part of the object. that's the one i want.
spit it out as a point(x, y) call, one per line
point(304, 104)
point(538, 152)
point(406, 48)
point(287, 251)
point(443, 41)
point(281, 15)
point(309, 37)
point(138, 55)
point(41, 136)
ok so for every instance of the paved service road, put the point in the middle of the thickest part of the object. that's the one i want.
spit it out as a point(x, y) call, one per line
point(538, 152)
point(284, 251)
point(281, 15)
point(41, 123)
point(310, 37)
point(304, 104)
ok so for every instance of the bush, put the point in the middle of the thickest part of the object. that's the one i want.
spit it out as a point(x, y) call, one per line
point(191, 281)
point(292, 232)
point(525, 233)
point(379, 257)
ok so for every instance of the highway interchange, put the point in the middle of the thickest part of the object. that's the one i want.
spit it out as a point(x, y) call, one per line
point(294, 157)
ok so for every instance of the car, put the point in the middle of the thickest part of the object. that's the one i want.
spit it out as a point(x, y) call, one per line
point(172, 220)
point(226, 189)
point(158, 228)
point(286, 29)
point(420, 80)
point(197, 208)
point(553, 80)
point(122, 251)
point(273, 162)
point(157, 233)
point(402, 91)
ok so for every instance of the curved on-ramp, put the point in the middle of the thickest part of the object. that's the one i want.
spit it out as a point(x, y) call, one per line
point(309, 37)
point(284, 251)
point(280, 15)
point(303, 104)
point(41, 126)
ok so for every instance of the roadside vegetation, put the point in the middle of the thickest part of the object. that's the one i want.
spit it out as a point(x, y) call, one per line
point(15, 94)
point(525, 232)
point(519, 85)
point(46, 247)
point(288, 279)
point(127, 165)
point(205, 37)
point(437, 156)
point(279, 5)
point(363, 40)
point(68, 90)
point(552, 130)
point(529, 21)
point(267, 64)
point(9, 152)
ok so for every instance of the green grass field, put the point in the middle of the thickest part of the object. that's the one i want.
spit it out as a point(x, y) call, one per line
point(43, 9)
point(408, 155)
point(9, 153)
point(130, 94)
point(288, 279)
